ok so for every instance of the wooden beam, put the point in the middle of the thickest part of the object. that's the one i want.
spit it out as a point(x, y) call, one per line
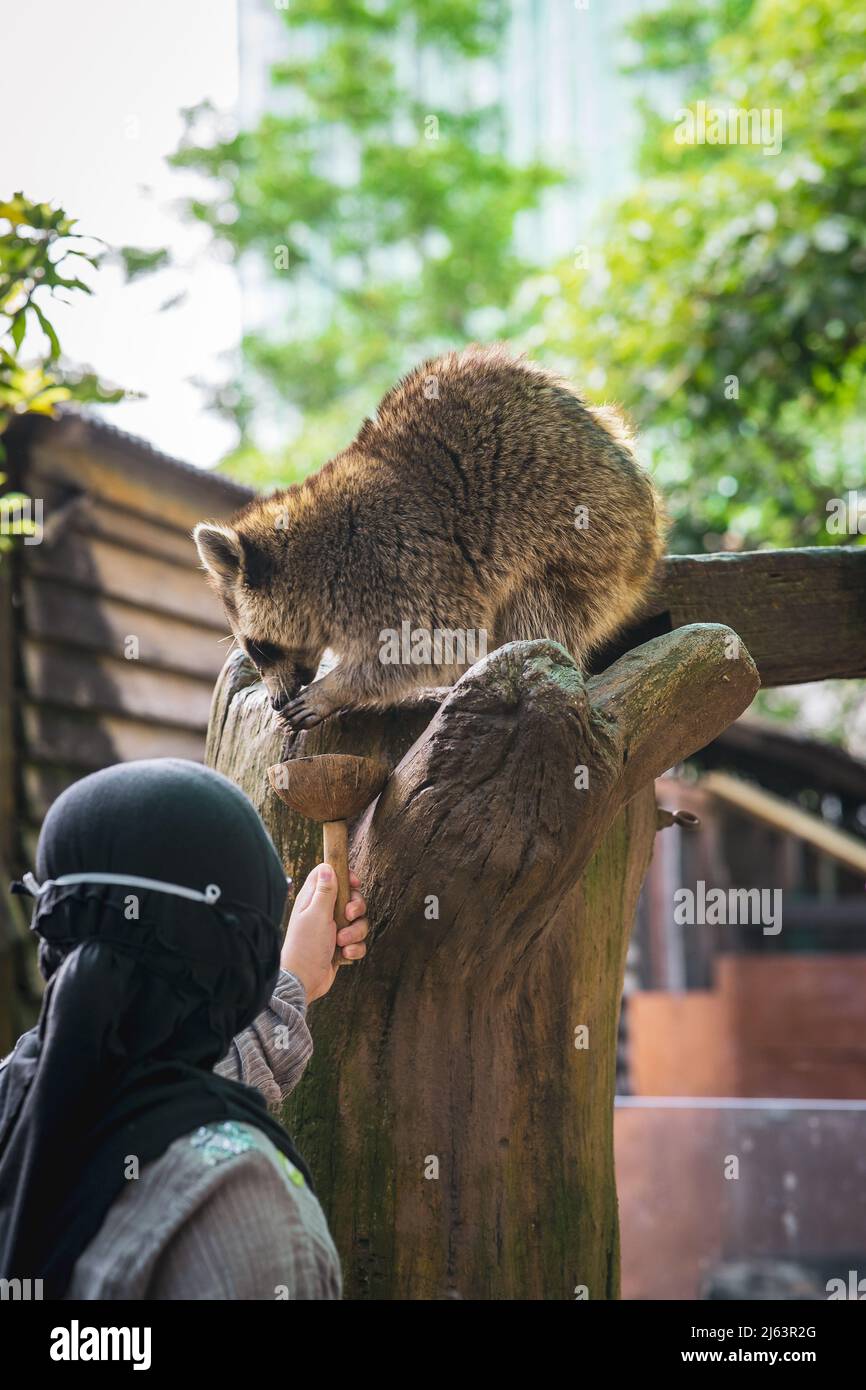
point(801, 613)
point(793, 820)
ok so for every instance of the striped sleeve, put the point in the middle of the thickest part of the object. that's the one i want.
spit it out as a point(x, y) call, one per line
point(272, 1053)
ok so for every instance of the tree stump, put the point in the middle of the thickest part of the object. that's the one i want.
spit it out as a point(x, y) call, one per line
point(458, 1110)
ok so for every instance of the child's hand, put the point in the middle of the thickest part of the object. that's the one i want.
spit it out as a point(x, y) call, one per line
point(311, 936)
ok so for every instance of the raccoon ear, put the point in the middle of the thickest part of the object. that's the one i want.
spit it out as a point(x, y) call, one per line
point(219, 550)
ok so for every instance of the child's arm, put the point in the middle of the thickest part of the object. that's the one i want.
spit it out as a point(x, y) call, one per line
point(272, 1053)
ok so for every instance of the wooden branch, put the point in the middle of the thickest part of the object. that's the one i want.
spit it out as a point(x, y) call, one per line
point(673, 695)
point(460, 1134)
point(801, 613)
point(517, 729)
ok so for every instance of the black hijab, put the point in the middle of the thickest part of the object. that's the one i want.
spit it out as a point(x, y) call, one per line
point(145, 992)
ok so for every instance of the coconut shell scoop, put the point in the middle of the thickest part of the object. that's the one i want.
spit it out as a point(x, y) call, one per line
point(332, 789)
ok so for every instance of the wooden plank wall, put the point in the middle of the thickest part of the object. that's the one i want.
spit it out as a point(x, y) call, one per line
point(116, 562)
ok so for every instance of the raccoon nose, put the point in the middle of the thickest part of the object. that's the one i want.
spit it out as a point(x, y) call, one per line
point(280, 701)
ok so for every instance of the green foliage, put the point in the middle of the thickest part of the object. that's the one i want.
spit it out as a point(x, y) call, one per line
point(679, 38)
point(383, 218)
point(724, 306)
point(138, 261)
point(37, 247)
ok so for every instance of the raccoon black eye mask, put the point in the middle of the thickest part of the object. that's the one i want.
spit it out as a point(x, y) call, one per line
point(485, 503)
point(263, 653)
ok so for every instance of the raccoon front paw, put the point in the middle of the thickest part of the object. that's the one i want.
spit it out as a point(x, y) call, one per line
point(309, 708)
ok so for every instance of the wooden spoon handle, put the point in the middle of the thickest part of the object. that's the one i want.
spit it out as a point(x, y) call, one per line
point(336, 843)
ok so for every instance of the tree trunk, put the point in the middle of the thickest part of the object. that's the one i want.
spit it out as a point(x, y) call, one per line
point(458, 1110)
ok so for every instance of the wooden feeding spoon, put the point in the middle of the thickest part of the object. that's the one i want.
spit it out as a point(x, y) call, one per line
point(332, 788)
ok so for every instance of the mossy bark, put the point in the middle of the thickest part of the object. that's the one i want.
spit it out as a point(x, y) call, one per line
point(457, 1113)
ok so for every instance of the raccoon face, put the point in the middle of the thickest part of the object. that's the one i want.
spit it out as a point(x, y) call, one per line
point(283, 671)
point(256, 595)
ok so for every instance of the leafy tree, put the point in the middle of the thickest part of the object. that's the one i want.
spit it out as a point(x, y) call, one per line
point(380, 213)
point(724, 304)
point(37, 247)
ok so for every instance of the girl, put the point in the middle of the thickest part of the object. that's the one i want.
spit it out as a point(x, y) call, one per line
point(138, 1158)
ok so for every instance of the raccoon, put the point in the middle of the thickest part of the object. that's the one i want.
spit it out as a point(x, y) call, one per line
point(485, 498)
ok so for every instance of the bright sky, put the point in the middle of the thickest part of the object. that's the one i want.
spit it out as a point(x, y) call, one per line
point(91, 99)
